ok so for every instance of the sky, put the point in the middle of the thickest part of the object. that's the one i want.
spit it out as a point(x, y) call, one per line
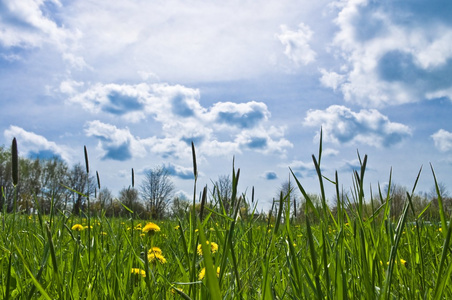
point(247, 81)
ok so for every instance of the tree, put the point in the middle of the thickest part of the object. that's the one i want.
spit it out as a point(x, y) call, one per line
point(54, 172)
point(80, 182)
point(6, 185)
point(157, 190)
point(104, 197)
point(179, 207)
point(223, 191)
point(130, 198)
point(288, 191)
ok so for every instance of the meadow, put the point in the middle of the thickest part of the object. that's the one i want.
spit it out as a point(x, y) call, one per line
point(211, 253)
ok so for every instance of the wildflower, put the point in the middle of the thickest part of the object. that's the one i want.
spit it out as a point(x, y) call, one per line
point(402, 261)
point(90, 227)
point(77, 227)
point(213, 247)
point(176, 227)
point(440, 229)
point(138, 271)
point(103, 233)
point(151, 228)
point(156, 250)
point(154, 257)
point(202, 273)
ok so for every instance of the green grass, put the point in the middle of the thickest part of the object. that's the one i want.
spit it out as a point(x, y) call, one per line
point(347, 254)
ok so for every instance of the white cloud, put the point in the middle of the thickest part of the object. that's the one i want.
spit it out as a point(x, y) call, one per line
point(183, 42)
point(26, 24)
point(30, 143)
point(223, 128)
point(443, 140)
point(114, 143)
point(301, 168)
point(296, 44)
point(370, 127)
point(394, 54)
point(331, 79)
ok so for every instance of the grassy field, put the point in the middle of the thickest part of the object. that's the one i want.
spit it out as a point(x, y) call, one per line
point(343, 255)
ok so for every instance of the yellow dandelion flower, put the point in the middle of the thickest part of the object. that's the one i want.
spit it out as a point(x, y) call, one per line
point(103, 233)
point(202, 273)
point(402, 261)
point(176, 227)
point(440, 229)
point(156, 250)
point(138, 271)
point(142, 235)
point(174, 290)
point(151, 227)
point(77, 227)
point(154, 257)
point(90, 227)
point(213, 247)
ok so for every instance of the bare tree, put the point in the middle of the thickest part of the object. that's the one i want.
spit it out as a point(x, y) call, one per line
point(83, 184)
point(223, 190)
point(157, 190)
point(131, 198)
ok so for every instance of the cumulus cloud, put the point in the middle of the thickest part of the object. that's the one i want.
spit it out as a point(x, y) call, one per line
point(33, 23)
point(392, 52)
point(223, 128)
point(443, 140)
point(179, 171)
point(351, 165)
point(270, 175)
point(240, 115)
point(36, 146)
point(302, 169)
point(116, 144)
point(370, 127)
point(296, 43)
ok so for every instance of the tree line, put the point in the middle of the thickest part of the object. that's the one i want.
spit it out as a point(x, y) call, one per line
point(52, 183)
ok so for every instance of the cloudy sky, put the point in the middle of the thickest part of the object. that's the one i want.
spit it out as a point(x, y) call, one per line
point(137, 81)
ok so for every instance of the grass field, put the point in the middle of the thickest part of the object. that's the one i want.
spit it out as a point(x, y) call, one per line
point(348, 254)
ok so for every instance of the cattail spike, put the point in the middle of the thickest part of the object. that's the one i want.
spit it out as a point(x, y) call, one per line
point(15, 162)
point(86, 160)
point(195, 167)
point(98, 180)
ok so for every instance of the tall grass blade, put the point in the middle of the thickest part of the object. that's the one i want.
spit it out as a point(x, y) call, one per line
point(211, 274)
point(440, 203)
point(442, 280)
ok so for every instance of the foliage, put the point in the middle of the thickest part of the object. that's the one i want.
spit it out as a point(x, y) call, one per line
point(358, 249)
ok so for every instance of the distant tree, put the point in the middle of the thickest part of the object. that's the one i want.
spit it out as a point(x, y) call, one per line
point(104, 197)
point(131, 198)
point(288, 191)
point(179, 207)
point(397, 198)
point(6, 186)
point(54, 172)
point(157, 190)
point(443, 192)
point(81, 183)
point(223, 190)
point(433, 197)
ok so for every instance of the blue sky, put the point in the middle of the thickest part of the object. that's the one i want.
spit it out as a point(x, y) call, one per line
point(137, 81)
